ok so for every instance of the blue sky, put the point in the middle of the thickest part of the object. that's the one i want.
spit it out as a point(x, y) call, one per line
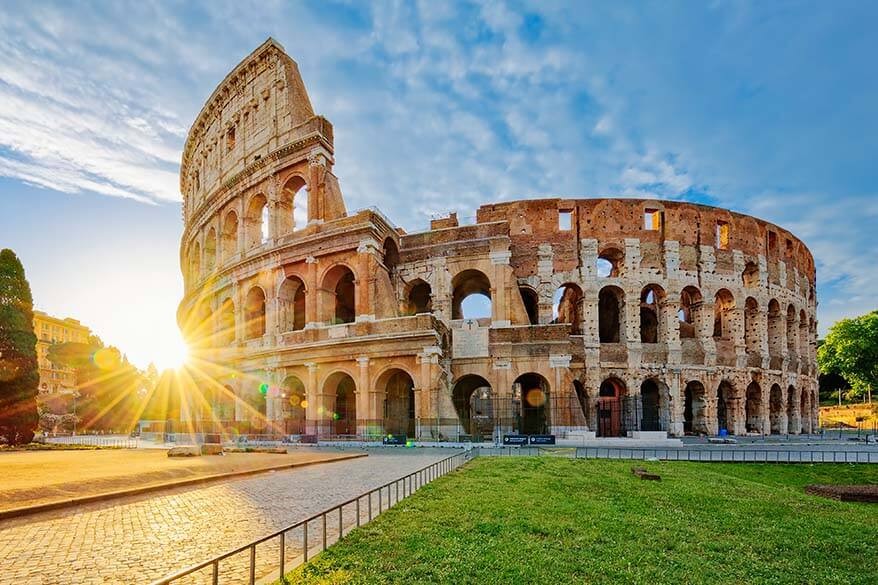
point(768, 108)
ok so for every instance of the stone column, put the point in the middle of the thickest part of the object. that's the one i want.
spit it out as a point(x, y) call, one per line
point(365, 283)
point(500, 288)
point(313, 300)
point(312, 410)
point(368, 412)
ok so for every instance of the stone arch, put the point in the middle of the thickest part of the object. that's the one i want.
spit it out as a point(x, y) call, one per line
point(610, 407)
point(195, 262)
point(804, 341)
point(291, 297)
point(292, 205)
point(341, 391)
point(651, 299)
point(727, 404)
point(226, 333)
point(695, 409)
point(723, 308)
point(254, 313)
point(753, 409)
point(687, 316)
point(567, 307)
point(229, 236)
point(775, 332)
point(805, 412)
point(750, 275)
point(611, 315)
point(255, 226)
point(210, 250)
point(531, 301)
point(294, 405)
point(776, 410)
point(751, 326)
point(465, 284)
point(532, 391)
point(792, 330)
point(339, 295)
point(473, 401)
point(654, 405)
point(398, 387)
point(390, 255)
point(794, 423)
point(610, 262)
point(419, 297)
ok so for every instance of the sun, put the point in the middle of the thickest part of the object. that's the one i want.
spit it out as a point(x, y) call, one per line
point(171, 353)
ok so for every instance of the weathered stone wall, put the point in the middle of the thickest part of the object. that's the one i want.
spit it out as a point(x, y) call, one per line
point(706, 317)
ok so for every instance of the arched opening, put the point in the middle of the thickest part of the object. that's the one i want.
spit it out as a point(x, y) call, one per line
point(390, 255)
point(339, 288)
point(473, 402)
point(471, 296)
point(609, 263)
point(256, 221)
point(254, 313)
point(292, 205)
point(792, 331)
point(342, 389)
point(651, 298)
point(694, 411)
point(567, 307)
point(753, 409)
point(724, 305)
point(750, 276)
point(531, 391)
point(210, 250)
point(650, 406)
point(610, 396)
point(611, 301)
point(230, 236)
point(225, 335)
point(195, 263)
point(420, 298)
point(751, 326)
point(690, 304)
point(399, 402)
point(805, 413)
point(793, 422)
point(294, 405)
point(804, 342)
point(775, 332)
point(291, 304)
point(775, 404)
point(531, 304)
point(725, 407)
point(582, 399)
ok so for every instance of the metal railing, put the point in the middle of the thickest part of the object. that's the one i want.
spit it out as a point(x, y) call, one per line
point(96, 441)
point(364, 511)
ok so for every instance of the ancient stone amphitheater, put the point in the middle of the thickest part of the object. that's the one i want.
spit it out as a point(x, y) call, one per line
point(552, 316)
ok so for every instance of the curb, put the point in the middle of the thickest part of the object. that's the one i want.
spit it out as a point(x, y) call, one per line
point(36, 509)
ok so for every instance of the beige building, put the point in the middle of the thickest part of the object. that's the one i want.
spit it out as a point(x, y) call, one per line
point(562, 316)
point(50, 330)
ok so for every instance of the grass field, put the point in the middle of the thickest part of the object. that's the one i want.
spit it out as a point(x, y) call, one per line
point(542, 520)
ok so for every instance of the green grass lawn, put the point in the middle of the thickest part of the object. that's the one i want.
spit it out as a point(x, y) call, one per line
point(549, 520)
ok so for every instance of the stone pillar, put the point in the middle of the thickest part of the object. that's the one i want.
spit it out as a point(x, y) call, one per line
point(676, 404)
point(500, 288)
point(312, 410)
point(704, 331)
point(365, 283)
point(368, 413)
point(313, 300)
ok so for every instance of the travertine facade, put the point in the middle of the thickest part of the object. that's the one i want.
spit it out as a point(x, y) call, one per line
point(608, 315)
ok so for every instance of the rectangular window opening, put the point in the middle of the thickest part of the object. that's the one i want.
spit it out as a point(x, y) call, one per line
point(565, 220)
point(722, 235)
point(230, 138)
point(652, 220)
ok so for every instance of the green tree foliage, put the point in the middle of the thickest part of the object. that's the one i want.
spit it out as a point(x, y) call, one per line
point(851, 350)
point(19, 373)
point(106, 382)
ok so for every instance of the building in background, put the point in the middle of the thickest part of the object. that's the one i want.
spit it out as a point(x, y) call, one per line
point(50, 330)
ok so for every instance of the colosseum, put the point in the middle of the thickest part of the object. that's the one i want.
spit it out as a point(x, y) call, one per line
point(569, 317)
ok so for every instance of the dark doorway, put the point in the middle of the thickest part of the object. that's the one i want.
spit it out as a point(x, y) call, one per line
point(534, 404)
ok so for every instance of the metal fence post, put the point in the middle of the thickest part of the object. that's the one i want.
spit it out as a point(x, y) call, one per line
point(253, 564)
point(282, 550)
point(305, 539)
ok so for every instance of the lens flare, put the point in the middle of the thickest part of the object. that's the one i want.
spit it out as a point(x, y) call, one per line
point(535, 397)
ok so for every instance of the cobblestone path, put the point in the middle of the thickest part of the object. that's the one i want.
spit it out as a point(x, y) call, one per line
point(142, 538)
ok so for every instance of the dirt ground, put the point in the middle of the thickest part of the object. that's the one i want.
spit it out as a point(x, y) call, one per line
point(38, 477)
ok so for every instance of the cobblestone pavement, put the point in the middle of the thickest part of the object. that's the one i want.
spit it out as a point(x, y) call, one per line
point(141, 538)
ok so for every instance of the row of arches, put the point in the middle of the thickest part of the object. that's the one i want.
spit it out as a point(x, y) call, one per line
point(252, 229)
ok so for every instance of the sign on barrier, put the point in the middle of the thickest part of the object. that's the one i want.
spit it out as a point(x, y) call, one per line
point(519, 440)
point(542, 439)
point(394, 440)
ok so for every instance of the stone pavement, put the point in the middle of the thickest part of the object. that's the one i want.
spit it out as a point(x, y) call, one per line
point(141, 538)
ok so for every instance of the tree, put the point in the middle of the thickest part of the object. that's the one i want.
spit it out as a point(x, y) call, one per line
point(851, 350)
point(19, 373)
